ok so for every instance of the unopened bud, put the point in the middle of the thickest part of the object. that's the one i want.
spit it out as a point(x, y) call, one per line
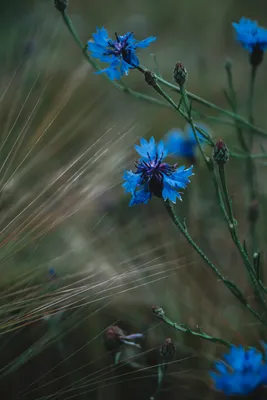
point(150, 78)
point(167, 350)
point(158, 311)
point(180, 74)
point(220, 153)
point(61, 5)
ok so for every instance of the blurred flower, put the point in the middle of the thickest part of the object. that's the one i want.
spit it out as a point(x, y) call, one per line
point(119, 53)
point(152, 177)
point(253, 38)
point(52, 273)
point(183, 144)
point(114, 337)
point(242, 373)
point(29, 48)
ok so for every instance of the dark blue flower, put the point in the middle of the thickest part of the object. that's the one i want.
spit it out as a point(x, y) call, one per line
point(153, 177)
point(242, 372)
point(119, 53)
point(183, 144)
point(252, 37)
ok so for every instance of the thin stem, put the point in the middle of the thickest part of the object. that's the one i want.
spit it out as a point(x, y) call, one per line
point(164, 368)
point(210, 105)
point(246, 147)
point(186, 329)
point(251, 172)
point(233, 232)
point(230, 285)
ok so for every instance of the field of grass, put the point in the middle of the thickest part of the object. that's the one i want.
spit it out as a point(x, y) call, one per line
point(75, 259)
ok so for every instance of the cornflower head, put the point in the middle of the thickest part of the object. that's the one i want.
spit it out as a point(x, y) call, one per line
point(242, 372)
point(253, 38)
point(114, 337)
point(153, 177)
point(119, 53)
point(183, 143)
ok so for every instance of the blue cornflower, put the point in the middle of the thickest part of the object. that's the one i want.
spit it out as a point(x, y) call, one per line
point(153, 177)
point(183, 144)
point(119, 53)
point(253, 38)
point(242, 372)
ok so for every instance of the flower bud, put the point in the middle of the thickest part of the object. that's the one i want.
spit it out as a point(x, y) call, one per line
point(158, 311)
point(180, 74)
point(61, 5)
point(220, 153)
point(150, 78)
point(112, 337)
point(167, 350)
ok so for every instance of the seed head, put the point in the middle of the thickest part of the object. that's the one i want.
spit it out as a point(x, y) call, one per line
point(220, 153)
point(61, 5)
point(180, 74)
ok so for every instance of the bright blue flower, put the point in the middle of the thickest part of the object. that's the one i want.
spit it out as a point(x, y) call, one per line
point(242, 372)
point(153, 177)
point(183, 144)
point(252, 36)
point(119, 53)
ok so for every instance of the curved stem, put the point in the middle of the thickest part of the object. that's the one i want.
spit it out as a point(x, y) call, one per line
point(230, 285)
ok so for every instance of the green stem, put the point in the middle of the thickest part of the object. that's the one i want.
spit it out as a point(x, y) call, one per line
point(230, 285)
point(232, 228)
point(251, 173)
point(160, 384)
point(186, 329)
point(210, 105)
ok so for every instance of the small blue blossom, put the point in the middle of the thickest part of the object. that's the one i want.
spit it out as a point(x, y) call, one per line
point(241, 373)
point(184, 144)
point(52, 273)
point(253, 38)
point(119, 53)
point(153, 177)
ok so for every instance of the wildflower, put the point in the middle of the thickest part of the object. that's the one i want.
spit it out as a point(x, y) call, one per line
point(242, 372)
point(153, 177)
point(167, 350)
point(119, 53)
point(253, 38)
point(114, 337)
point(220, 153)
point(184, 145)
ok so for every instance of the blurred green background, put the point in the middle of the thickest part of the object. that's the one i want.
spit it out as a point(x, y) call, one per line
point(67, 135)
